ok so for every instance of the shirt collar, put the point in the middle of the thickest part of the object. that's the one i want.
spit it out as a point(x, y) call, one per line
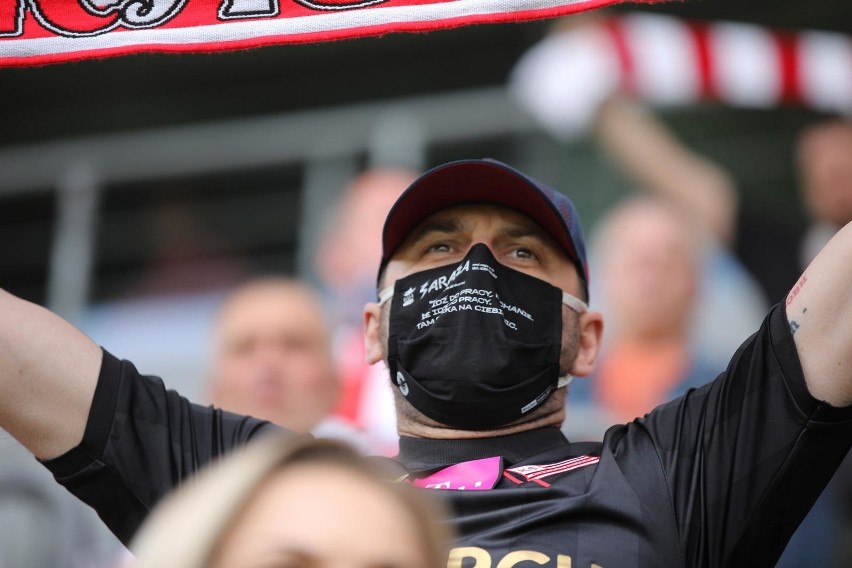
point(418, 454)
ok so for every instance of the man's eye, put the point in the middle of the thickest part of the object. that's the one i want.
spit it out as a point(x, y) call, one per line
point(522, 252)
point(439, 247)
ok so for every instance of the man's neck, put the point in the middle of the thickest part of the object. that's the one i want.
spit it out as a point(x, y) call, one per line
point(414, 424)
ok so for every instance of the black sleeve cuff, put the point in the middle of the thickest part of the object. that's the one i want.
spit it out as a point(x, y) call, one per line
point(98, 425)
point(791, 368)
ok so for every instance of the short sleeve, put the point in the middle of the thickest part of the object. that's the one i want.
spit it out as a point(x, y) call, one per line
point(140, 441)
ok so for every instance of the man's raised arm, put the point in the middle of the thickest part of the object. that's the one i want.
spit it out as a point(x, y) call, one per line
point(819, 309)
point(48, 373)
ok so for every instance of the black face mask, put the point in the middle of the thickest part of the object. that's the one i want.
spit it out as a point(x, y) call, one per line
point(476, 345)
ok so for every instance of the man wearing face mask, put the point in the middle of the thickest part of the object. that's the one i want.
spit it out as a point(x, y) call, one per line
point(482, 319)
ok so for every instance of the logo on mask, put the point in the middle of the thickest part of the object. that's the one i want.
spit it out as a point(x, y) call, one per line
point(408, 297)
point(443, 282)
point(403, 386)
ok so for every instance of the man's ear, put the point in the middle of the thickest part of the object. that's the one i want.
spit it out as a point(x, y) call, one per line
point(591, 332)
point(373, 347)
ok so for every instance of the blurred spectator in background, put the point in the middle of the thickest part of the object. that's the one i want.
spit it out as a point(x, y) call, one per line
point(272, 359)
point(824, 158)
point(298, 503)
point(731, 301)
point(348, 252)
point(272, 354)
point(649, 256)
point(573, 82)
point(350, 246)
point(776, 256)
point(579, 76)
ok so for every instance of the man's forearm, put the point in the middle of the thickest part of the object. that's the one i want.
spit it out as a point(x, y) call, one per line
point(48, 373)
point(653, 157)
point(819, 309)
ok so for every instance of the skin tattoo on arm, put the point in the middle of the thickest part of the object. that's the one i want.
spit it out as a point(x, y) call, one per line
point(795, 324)
point(797, 288)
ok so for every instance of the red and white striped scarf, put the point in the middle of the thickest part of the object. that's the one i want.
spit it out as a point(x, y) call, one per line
point(665, 61)
point(34, 32)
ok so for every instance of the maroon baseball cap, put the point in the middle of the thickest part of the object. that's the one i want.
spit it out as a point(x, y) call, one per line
point(486, 181)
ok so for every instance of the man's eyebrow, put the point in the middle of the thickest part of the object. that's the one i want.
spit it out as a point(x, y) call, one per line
point(525, 230)
point(436, 226)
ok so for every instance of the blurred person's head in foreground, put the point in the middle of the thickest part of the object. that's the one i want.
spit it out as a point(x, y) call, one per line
point(295, 502)
point(824, 156)
point(272, 354)
point(351, 243)
point(481, 315)
point(649, 257)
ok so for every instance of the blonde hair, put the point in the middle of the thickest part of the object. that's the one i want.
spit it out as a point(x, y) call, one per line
point(184, 531)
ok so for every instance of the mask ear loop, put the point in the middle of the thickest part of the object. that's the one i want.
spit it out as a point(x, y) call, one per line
point(580, 307)
point(572, 302)
point(564, 381)
point(385, 295)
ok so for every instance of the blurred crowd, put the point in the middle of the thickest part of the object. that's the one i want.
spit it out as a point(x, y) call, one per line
point(683, 269)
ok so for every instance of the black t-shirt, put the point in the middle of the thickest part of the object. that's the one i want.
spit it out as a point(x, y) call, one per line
point(719, 477)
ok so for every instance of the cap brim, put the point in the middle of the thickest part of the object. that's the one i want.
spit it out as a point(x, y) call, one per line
point(472, 181)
